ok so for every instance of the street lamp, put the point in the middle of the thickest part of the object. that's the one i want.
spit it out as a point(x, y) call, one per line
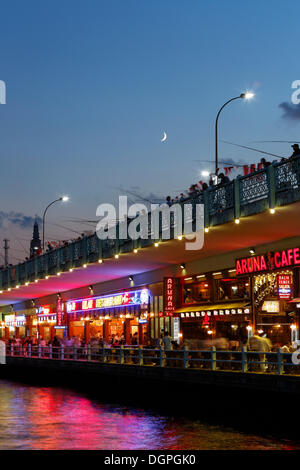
point(246, 96)
point(63, 199)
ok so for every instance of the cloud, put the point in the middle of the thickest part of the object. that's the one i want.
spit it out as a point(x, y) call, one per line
point(231, 161)
point(19, 219)
point(290, 111)
point(138, 195)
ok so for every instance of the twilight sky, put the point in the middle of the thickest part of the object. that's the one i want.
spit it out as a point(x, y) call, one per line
point(92, 85)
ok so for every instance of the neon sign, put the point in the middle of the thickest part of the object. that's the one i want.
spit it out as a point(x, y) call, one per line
point(88, 304)
point(59, 312)
point(138, 297)
point(170, 295)
point(269, 261)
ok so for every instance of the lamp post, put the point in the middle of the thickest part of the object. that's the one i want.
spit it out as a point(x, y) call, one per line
point(246, 96)
point(62, 198)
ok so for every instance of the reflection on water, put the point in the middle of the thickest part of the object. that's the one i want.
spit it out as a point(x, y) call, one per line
point(54, 418)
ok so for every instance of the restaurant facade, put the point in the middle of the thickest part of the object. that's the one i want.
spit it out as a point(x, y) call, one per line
point(249, 291)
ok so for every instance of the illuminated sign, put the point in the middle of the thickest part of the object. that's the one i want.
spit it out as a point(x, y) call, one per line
point(216, 313)
point(47, 318)
point(44, 310)
point(271, 306)
point(269, 261)
point(171, 290)
point(20, 320)
point(87, 304)
point(176, 329)
point(59, 312)
point(71, 307)
point(284, 286)
point(9, 320)
point(137, 297)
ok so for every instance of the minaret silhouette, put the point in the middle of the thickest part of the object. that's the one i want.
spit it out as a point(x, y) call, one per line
point(35, 243)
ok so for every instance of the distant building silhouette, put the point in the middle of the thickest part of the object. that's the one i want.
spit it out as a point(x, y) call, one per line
point(35, 244)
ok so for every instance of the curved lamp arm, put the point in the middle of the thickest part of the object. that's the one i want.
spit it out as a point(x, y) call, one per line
point(242, 95)
point(44, 215)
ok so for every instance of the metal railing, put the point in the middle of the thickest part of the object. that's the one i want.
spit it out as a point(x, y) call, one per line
point(277, 185)
point(277, 363)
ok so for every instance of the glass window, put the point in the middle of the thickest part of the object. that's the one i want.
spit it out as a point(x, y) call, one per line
point(196, 292)
point(230, 289)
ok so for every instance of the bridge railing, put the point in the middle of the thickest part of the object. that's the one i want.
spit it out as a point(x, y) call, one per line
point(277, 362)
point(276, 185)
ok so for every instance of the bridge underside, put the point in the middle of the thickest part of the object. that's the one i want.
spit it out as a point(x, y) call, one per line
point(253, 230)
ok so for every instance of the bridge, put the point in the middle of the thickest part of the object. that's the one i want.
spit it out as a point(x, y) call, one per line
point(245, 198)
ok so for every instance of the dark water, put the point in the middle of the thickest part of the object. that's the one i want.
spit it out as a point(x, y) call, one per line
point(54, 418)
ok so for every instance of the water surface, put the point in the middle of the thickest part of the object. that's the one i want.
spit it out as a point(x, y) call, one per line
point(47, 418)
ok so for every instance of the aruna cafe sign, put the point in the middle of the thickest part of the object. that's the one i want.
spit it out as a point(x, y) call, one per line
point(268, 261)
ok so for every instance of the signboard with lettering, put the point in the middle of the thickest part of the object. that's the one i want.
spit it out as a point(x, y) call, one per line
point(137, 297)
point(59, 313)
point(10, 320)
point(171, 295)
point(268, 261)
point(271, 306)
point(284, 286)
point(176, 329)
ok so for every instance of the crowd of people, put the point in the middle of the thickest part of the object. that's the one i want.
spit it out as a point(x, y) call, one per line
point(116, 340)
point(221, 179)
point(258, 347)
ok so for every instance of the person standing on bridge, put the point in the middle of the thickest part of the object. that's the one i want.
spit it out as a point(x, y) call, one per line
point(167, 341)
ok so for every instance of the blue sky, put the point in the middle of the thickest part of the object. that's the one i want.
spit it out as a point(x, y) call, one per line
point(92, 85)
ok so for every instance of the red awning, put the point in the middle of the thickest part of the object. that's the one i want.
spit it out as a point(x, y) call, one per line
point(295, 301)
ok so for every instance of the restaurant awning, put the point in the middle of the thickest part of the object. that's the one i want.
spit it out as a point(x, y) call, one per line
point(295, 301)
point(237, 308)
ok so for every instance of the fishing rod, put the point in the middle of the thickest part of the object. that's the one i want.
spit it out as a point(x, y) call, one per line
point(220, 161)
point(251, 148)
point(277, 141)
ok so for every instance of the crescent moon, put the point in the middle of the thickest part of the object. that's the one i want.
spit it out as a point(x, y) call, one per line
point(164, 137)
